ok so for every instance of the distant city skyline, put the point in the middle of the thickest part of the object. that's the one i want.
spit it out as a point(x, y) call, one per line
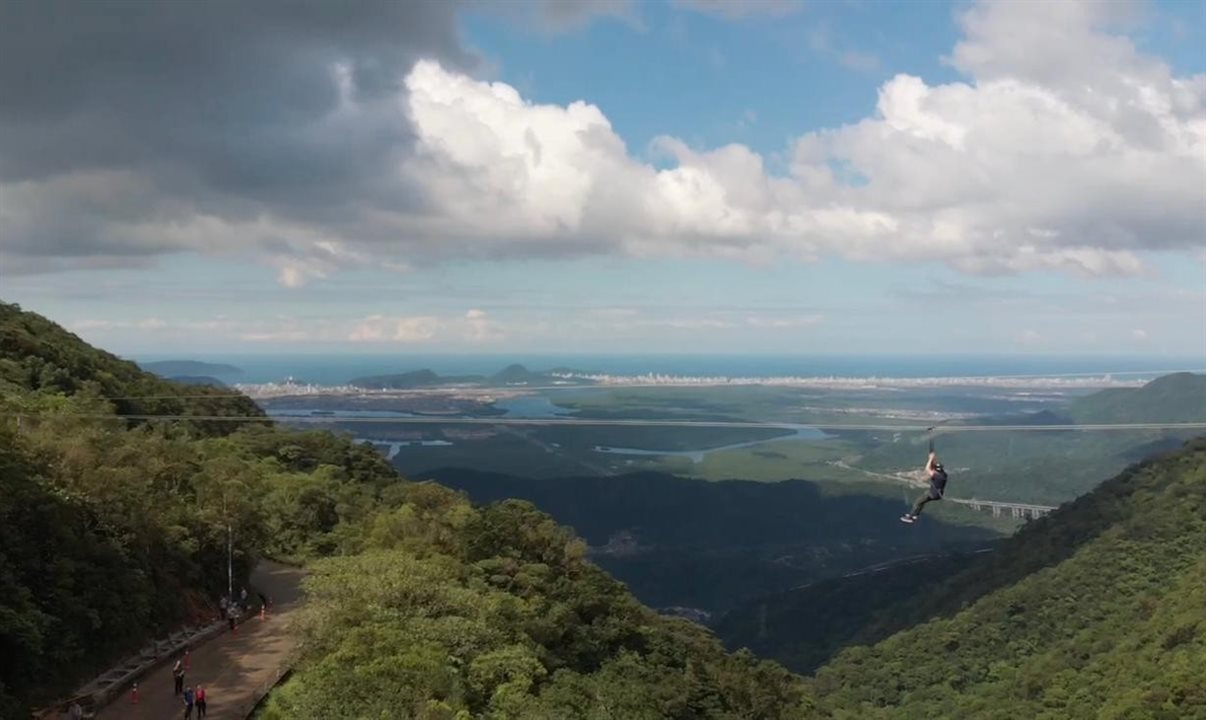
point(696, 176)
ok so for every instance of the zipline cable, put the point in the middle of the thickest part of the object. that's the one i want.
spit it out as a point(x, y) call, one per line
point(459, 420)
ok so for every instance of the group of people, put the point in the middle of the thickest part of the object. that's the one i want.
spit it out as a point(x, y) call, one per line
point(233, 608)
point(195, 697)
point(192, 697)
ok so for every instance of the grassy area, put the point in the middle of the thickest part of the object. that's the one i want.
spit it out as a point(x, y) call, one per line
point(786, 404)
point(506, 452)
point(769, 462)
point(754, 402)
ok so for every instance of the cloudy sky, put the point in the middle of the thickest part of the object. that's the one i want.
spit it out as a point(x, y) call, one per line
point(604, 175)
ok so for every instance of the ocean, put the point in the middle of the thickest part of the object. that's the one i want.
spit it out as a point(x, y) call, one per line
point(334, 369)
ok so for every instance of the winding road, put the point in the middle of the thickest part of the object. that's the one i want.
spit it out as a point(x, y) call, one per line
point(235, 669)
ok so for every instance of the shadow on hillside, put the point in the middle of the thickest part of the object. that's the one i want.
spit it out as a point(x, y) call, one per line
point(713, 545)
point(805, 627)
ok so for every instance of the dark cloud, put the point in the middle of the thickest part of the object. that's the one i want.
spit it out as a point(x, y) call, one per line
point(119, 111)
point(238, 85)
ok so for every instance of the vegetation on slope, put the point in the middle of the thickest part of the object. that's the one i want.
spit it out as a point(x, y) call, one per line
point(805, 627)
point(456, 612)
point(36, 355)
point(173, 369)
point(1097, 610)
point(1179, 397)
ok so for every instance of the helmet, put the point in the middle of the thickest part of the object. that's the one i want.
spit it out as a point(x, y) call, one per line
point(939, 468)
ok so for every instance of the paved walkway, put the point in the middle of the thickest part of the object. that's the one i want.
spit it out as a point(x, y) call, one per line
point(234, 669)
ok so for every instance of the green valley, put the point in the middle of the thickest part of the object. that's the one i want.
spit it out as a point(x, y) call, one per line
point(495, 597)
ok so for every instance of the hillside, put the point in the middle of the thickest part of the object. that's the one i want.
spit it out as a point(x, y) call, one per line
point(38, 355)
point(511, 375)
point(178, 368)
point(805, 627)
point(422, 605)
point(202, 380)
point(1180, 397)
point(1097, 610)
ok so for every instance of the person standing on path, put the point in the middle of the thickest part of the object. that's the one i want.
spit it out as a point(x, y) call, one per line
point(200, 697)
point(178, 675)
point(188, 703)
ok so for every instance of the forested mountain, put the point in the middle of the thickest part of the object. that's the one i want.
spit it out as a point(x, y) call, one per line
point(172, 369)
point(805, 627)
point(39, 356)
point(1179, 397)
point(112, 531)
point(510, 375)
point(1096, 610)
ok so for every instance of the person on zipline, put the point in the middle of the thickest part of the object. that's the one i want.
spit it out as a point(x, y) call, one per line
point(937, 475)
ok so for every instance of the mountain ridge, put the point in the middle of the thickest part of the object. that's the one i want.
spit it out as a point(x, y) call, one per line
point(514, 374)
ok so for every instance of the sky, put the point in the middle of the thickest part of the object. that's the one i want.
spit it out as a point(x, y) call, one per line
point(700, 176)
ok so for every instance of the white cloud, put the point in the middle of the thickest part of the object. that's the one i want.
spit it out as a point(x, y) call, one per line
point(1066, 149)
point(861, 61)
point(479, 328)
point(152, 324)
point(799, 321)
point(378, 328)
point(1022, 169)
point(633, 321)
point(747, 120)
point(1139, 334)
point(820, 41)
point(739, 9)
point(472, 327)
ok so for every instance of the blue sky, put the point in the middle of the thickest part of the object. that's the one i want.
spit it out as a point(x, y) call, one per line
point(635, 177)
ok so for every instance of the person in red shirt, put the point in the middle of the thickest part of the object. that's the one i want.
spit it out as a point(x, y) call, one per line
point(200, 700)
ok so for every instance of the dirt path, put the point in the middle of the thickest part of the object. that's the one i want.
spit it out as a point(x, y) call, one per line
point(234, 669)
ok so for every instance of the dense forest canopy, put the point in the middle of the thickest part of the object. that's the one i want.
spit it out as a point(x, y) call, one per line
point(424, 605)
